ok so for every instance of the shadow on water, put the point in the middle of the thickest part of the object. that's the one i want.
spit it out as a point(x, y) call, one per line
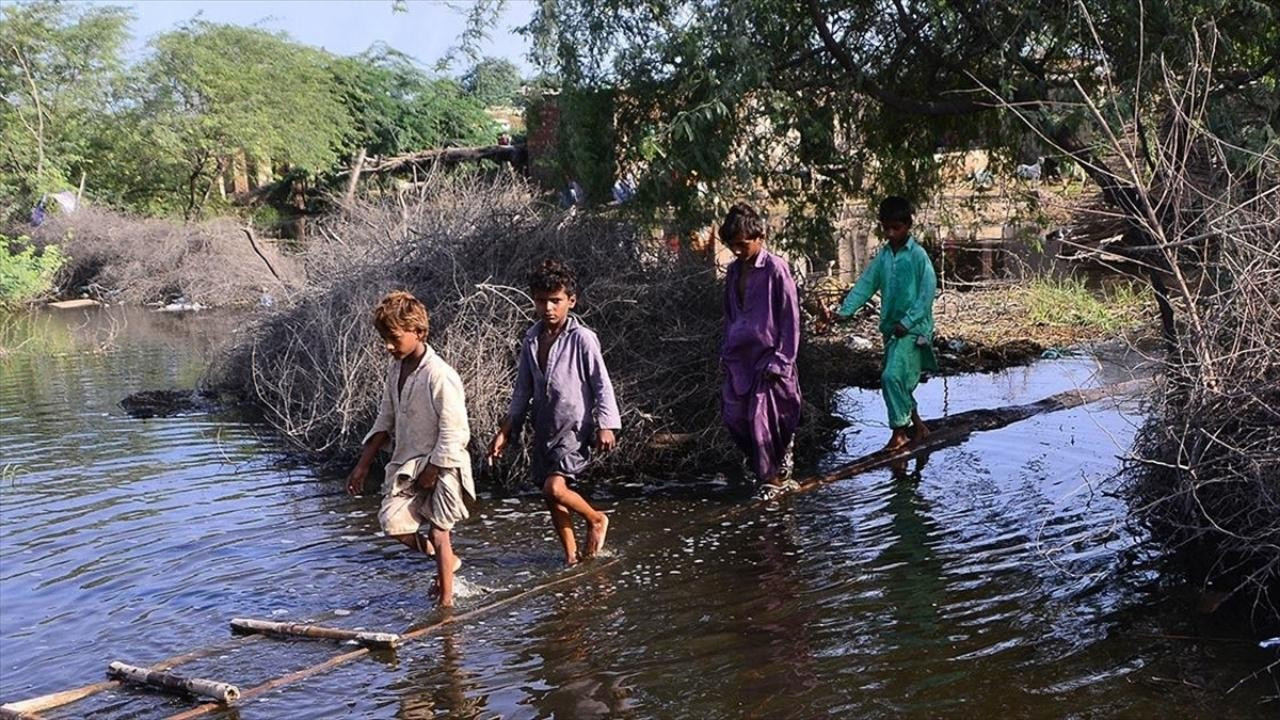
point(994, 578)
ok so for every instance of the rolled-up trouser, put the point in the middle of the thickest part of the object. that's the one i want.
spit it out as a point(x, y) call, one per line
point(903, 361)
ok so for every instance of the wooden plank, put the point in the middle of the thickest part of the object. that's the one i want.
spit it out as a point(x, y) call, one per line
point(319, 632)
point(223, 693)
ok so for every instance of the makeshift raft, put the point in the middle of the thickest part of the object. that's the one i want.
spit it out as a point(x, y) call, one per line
point(945, 432)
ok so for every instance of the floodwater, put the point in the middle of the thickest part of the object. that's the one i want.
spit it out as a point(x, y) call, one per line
point(998, 579)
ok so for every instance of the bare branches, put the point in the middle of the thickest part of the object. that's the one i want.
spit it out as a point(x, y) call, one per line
point(464, 246)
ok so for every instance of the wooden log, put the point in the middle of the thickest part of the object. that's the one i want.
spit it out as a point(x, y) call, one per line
point(407, 636)
point(224, 693)
point(267, 627)
point(74, 304)
point(350, 194)
point(953, 430)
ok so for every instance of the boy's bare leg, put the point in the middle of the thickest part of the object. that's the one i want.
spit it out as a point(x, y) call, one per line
point(446, 564)
point(425, 545)
point(920, 431)
point(562, 520)
point(416, 542)
point(557, 491)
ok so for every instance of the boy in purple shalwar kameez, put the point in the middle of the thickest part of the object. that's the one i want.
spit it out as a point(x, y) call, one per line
point(561, 379)
point(760, 396)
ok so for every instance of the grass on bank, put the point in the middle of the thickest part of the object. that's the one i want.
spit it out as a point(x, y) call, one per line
point(1068, 301)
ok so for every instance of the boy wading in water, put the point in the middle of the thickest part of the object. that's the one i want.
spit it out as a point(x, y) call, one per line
point(424, 413)
point(904, 276)
point(561, 377)
point(760, 395)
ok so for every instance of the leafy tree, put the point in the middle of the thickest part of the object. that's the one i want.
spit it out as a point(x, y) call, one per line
point(494, 81)
point(811, 102)
point(396, 107)
point(209, 92)
point(58, 65)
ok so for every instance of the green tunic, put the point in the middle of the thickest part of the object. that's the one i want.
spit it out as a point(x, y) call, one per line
point(907, 284)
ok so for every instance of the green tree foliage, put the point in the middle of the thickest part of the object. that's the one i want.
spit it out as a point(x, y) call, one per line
point(211, 91)
point(396, 107)
point(813, 101)
point(494, 81)
point(58, 65)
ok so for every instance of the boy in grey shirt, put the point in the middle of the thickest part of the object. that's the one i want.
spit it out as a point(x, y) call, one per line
point(561, 377)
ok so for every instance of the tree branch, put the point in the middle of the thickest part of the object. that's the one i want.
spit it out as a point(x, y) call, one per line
point(865, 83)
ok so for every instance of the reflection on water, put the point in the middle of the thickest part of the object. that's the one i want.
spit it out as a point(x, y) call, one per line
point(994, 578)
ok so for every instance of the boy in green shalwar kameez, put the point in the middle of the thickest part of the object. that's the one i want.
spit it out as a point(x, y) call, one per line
point(902, 273)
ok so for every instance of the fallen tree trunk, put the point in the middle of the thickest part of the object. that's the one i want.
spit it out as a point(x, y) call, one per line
point(956, 428)
point(446, 156)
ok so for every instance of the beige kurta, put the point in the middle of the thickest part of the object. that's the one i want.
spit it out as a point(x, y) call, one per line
point(427, 421)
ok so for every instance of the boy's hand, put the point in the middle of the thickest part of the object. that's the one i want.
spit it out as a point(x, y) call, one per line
point(605, 440)
point(497, 445)
point(428, 477)
point(899, 330)
point(356, 478)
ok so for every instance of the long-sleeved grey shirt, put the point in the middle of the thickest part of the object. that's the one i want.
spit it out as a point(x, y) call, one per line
point(571, 400)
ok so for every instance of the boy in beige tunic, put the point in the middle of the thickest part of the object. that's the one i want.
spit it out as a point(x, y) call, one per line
point(423, 412)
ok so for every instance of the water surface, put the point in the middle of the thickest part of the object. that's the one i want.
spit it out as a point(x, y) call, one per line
point(997, 578)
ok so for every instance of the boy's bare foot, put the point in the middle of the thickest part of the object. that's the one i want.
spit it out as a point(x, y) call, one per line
point(596, 535)
point(919, 430)
point(899, 440)
point(433, 591)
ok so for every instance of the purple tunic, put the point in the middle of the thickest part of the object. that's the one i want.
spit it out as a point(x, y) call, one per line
point(761, 339)
point(570, 401)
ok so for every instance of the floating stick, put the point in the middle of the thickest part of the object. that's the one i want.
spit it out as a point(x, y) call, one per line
point(373, 639)
point(224, 693)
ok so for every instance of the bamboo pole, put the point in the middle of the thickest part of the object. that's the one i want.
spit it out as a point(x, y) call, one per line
point(293, 677)
point(224, 693)
point(267, 627)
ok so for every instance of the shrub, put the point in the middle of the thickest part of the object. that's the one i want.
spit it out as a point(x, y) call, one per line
point(26, 272)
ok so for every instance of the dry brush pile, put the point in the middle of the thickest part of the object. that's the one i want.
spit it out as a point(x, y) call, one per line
point(119, 258)
point(465, 246)
point(1199, 218)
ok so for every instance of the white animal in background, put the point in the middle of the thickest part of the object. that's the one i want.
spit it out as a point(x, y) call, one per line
point(1029, 172)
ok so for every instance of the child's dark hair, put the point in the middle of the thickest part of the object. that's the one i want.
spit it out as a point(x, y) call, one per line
point(553, 275)
point(895, 209)
point(402, 312)
point(743, 221)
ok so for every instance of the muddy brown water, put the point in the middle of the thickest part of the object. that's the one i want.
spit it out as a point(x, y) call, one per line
point(999, 579)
